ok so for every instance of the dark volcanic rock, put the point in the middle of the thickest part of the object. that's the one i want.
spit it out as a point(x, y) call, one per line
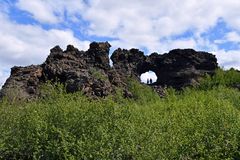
point(128, 61)
point(97, 54)
point(178, 68)
point(79, 70)
point(23, 83)
point(182, 67)
point(90, 71)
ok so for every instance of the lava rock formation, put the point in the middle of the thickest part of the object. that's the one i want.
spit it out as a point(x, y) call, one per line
point(90, 71)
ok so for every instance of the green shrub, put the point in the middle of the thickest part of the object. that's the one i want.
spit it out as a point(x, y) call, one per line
point(142, 93)
point(193, 124)
point(221, 78)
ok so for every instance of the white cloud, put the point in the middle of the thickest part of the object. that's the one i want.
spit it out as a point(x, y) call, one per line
point(228, 59)
point(155, 18)
point(119, 18)
point(230, 13)
point(3, 76)
point(229, 37)
point(39, 9)
point(233, 37)
point(163, 17)
point(139, 22)
point(30, 44)
point(53, 11)
point(143, 23)
point(179, 43)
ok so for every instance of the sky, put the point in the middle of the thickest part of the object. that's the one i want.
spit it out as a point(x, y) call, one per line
point(30, 28)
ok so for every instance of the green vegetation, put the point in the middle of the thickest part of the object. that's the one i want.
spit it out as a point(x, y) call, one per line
point(197, 123)
point(222, 78)
point(98, 74)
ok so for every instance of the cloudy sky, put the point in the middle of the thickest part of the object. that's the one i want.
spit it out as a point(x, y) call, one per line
point(29, 28)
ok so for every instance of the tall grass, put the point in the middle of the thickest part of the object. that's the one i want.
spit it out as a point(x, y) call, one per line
point(193, 124)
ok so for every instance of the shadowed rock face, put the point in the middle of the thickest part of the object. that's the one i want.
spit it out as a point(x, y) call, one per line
point(90, 71)
point(178, 68)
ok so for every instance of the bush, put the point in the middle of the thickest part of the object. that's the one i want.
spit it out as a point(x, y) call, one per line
point(221, 78)
point(193, 124)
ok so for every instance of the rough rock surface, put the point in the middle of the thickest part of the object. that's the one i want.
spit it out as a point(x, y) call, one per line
point(178, 68)
point(90, 71)
point(23, 82)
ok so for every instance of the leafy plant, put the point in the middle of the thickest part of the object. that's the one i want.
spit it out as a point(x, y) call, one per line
point(196, 123)
point(221, 78)
point(98, 74)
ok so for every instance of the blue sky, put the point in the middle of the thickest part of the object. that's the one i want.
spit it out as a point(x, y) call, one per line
point(29, 28)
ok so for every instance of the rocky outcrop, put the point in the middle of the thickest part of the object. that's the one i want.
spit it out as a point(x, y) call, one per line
point(90, 71)
point(23, 83)
point(178, 68)
point(79, 70)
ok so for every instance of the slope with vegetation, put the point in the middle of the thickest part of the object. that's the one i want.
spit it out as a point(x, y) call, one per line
point(194, 123)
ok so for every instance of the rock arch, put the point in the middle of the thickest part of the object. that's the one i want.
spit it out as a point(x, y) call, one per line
point(178, 68)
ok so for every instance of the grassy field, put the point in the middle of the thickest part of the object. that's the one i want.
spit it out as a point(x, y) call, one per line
point(196, 123)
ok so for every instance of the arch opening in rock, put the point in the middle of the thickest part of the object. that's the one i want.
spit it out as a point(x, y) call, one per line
point(148, 77)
